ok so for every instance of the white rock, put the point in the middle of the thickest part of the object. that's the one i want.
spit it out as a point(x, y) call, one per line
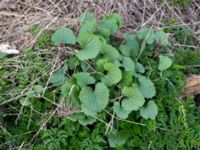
point(6, 48)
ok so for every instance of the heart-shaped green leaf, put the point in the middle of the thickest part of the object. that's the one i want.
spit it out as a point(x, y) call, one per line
point(146, 34)
point(94, 102)
point(84, 78)
point(128, 64)
point(134, 99)
point(162, 37)
point(91, 45)
point(120, 112)
point(109, 25)
point(63, 36)
point(113, 75)
point(88, 23)
point(131, 46)
point(147, 87)
point(150, 111)
point(111, 53)
point(164, 63)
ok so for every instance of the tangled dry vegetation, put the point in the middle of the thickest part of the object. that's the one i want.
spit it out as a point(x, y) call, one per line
point(16, 17)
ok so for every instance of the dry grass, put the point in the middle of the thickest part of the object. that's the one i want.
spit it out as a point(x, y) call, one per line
point(17, 16)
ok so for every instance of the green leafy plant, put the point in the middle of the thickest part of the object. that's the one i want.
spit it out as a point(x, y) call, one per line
point(180, 3)
point(106, 67)
point(63, 36)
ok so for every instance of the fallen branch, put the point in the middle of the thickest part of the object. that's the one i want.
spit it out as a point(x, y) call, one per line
point(192, 86)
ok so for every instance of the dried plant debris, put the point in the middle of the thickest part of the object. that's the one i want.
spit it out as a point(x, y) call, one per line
point(192, 86)
point(22, 15)
point(8, 5)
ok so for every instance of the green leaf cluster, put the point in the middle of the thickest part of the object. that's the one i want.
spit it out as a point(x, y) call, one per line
point(106, 71)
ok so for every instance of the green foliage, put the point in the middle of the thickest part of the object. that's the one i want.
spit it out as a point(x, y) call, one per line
point(191, 66)
point(113, 74)
point(116, 140)
point(110, 25)
point(43, 37)
point(150, 36)
point(91, 45)
point(128, 64)
point(106, 95)
point(164, 63)
point(131, 46)
point(183, 35)
point(63, 36)
point(58, 76)
point(88, 23)
point(120, 112)
point(146, 86)
point(147, 34)
point(134, 99)
point(84, 79)
point(93, 102)
point(150, 111)
point(139, 68)
point(179, 3)
point(2, 55)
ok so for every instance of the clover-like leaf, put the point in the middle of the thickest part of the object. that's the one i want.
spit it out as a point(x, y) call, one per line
point(128, 64)
point(91, 45)
point(164, 63)
point(134, 99)
point(120, 112)
point(94, 102)
point(113, 75)
point(63, 36)
point(147, 87)
point(150, 111)
point(84, 78)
